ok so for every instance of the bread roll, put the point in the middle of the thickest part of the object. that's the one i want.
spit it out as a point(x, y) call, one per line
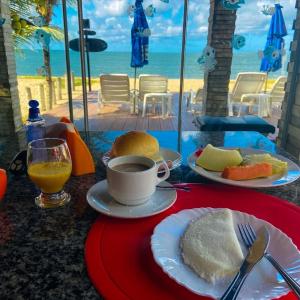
point(210, 246)
point(136, 143)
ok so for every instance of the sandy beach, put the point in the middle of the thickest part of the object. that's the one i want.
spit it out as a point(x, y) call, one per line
point(34, 82)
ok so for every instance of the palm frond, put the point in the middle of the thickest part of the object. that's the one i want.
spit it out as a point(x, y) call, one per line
point(70, 3)
point(22, 8)
point(29, 30)
point(20, 41)
point(55, 32)
point(26, 9)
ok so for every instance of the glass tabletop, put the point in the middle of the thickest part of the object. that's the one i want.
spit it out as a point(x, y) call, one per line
point(191, 140)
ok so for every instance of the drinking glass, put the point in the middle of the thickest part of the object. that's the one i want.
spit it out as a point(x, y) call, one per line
point(49, 167)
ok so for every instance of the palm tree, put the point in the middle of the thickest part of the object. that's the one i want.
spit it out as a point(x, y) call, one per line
point(23, 11)
point(45, 9)
point(22, 29)
point(216, 83)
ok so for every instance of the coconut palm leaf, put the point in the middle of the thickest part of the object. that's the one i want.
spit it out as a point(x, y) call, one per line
point(56, 32)
point(22, 8)
point(70, 3)
point(22, 40)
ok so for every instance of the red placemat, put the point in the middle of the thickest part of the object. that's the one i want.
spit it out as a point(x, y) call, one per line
point(118, 253)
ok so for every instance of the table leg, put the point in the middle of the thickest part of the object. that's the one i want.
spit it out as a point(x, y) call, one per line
point(230, 108)
point(163, 106)
point(144, 106)
point(134, 104)
point(188, 101)
point(263, 106)
point(169, 111)
point(240, 108)
point(260, 104)
point(269, 104)
point(153, 101)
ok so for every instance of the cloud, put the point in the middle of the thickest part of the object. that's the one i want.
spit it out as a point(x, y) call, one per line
point(112, 29)
point(104, 8)
point(250, 19)
point(74, 21)
point(161, 28)
point(198, 18)
point(110, 20)
point(159, 5)
point(173, 30)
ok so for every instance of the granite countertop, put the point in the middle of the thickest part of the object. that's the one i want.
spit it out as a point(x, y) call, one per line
point(42, 251)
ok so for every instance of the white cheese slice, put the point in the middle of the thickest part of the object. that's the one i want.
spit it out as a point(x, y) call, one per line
point(210, 246)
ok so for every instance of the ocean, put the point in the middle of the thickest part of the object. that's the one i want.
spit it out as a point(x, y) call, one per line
point(167, 64)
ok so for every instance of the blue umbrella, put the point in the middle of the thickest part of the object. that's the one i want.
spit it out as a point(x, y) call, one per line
point(271, 60)
point(139, 39)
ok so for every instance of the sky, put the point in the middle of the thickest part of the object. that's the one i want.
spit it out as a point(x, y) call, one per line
point(110, 20)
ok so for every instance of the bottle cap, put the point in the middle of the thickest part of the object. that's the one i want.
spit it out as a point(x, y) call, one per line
point(34, 111)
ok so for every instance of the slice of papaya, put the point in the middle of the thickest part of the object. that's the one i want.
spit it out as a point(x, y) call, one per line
point(248, 172)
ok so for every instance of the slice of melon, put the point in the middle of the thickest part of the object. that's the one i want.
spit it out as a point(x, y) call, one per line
point(217, 159)
point(278, 166)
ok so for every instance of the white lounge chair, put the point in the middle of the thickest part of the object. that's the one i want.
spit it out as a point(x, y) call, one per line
point(245, 83)
point(277, 91)
point(194, 99)
point(266, 101)
point(114, 88)
point(154, 89)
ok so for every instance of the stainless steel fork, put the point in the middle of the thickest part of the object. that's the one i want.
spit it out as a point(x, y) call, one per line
point(248, 235)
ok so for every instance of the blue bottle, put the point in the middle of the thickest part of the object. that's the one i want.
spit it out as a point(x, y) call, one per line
point(35, 125)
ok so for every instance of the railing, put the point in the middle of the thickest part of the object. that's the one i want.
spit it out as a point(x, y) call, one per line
point(37, 88)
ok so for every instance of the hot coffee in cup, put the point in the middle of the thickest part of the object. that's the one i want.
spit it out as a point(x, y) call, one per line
point(130, 167)
point(132, 179)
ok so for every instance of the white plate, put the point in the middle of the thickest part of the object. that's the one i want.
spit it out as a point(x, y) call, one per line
point(262, 282)
point(99, 199)
point(167, 154)
point(291, 175)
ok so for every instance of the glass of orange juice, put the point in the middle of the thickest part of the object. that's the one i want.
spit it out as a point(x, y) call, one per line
point(49, 167)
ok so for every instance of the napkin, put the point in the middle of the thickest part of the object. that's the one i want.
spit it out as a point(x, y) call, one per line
point(82, 160)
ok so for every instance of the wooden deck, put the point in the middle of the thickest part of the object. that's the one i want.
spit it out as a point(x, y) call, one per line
point(118, 116)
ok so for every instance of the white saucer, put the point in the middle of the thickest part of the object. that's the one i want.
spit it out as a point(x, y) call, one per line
point(99, 199)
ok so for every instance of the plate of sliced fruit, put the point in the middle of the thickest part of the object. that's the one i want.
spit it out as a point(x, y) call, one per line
point(244, 167)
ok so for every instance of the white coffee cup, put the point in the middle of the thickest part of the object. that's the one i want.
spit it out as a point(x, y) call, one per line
point(133, 179)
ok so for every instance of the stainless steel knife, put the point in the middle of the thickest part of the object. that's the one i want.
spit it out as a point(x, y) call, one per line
point(255, 254)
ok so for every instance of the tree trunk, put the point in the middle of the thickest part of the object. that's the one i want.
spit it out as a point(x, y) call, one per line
point(49, 88)
point(216, 83)
point(289, 123)
point(48, 7)
point(10, 111)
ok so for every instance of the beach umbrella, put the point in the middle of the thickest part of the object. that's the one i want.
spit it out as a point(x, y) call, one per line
point(274, 48)
point(140, 33)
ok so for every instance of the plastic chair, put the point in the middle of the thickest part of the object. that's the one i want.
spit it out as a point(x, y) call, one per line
point(277, 91)
point(193, 99)
point(245, 83)
point(114, 88)
point(154, 88)
point(266, 101)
